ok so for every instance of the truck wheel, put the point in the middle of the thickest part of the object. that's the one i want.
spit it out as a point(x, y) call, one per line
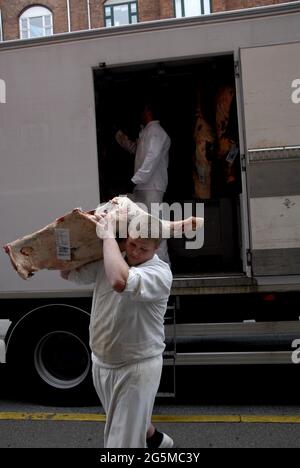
point(50, 353)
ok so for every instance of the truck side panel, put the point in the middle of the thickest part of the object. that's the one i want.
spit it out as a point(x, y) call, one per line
point(49, 153)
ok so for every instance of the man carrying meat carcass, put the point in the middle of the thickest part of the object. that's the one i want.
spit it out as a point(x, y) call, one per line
point(127, 332)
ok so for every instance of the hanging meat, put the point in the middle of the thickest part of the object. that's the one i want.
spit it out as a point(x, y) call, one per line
point(203, 138)
point(226, 147)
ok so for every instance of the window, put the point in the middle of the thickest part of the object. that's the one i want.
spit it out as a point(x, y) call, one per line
point(118, 12)
point(192, 8)
point(36, 22)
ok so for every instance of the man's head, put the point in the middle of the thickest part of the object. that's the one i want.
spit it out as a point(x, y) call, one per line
point(149, 112)
point(144, 237)
point(139, 250)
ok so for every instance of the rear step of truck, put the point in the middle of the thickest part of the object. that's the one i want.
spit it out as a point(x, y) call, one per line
point(232, 343)
point(213, 284)
point(214, 344)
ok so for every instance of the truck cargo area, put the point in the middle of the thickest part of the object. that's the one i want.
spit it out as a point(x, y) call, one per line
point(194, 95)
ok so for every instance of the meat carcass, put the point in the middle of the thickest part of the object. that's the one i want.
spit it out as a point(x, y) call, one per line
point(226, 147)
point(71, 240)
point(203, 137)
point(224, 100)
point(67, 243)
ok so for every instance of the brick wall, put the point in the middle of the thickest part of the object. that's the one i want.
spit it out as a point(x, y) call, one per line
point(97, 13)
point(78, 15)
point(166, 9)
point(239, 4)
point(12, 10)
point(218, 5)
point(148, 10)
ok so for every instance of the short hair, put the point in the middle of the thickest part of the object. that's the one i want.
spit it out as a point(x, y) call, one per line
point(145, 226)
point(152, 105)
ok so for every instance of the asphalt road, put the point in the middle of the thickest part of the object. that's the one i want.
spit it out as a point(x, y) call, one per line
point(232, 410)
point(23, 426)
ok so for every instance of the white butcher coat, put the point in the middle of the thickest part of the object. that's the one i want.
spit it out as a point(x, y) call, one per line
point(151, 156)
point(129, 326)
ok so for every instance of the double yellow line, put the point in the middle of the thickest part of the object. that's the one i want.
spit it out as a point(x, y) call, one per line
point(201, 418)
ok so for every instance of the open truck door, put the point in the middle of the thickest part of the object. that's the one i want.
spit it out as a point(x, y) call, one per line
point(271, 94)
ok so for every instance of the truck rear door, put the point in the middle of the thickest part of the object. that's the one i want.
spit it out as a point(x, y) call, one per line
point(271, 96)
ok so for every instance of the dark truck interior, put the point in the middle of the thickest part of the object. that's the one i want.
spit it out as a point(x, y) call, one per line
point(197, 103)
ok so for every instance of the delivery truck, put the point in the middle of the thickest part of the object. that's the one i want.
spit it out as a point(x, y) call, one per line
point(228, 86)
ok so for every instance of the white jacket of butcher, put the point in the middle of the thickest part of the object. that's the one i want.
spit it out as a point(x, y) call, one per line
point(151, 156)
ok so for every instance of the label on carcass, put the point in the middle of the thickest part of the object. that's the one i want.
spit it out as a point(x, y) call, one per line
point(63, 247)
point(232, 153)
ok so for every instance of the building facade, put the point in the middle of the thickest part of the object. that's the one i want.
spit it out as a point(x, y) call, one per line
point(23, 19)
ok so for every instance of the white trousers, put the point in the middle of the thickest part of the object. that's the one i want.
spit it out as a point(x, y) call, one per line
point(147, 197)
point(127, 395)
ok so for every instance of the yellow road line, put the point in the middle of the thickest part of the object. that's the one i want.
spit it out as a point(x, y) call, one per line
point(288, 419)
point(52, 416)
point(196, 418)
point(201, 418)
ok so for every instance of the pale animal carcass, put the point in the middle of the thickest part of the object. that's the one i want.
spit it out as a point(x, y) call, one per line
point(71, 240)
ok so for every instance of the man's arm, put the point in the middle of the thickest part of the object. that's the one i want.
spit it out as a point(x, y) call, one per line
point(125, 143)
point(116, 268)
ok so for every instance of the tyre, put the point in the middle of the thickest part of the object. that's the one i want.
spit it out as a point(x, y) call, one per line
point(48, 350)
